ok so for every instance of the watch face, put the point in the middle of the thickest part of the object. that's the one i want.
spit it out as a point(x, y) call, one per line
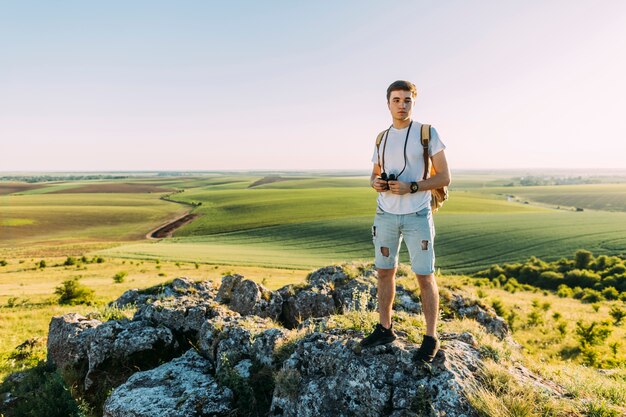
point(414, 187)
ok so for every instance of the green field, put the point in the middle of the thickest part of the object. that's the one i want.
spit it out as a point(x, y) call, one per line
point(608, 197)
point(306, 223)
point(41, 222)
point(303, 221)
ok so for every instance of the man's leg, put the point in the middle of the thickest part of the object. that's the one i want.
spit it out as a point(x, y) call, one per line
point(386, 237)
point(430, 302)
point(386, 294)
point(419, 234)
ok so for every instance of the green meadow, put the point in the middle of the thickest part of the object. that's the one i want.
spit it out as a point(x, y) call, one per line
point(311, 222)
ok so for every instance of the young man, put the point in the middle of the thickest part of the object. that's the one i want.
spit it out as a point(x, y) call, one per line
point(404, 212)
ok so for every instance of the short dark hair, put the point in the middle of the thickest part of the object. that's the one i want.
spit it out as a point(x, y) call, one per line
point(402, 85)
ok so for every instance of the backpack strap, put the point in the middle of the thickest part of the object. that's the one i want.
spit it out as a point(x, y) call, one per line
point(379, 139)
point(425, 138)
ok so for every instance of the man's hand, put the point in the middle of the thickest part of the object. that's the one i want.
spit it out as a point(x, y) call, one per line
point(379, 185)
point(399, 187)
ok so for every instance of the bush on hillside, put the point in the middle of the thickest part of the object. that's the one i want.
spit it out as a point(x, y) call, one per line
point(582, 271)
point(41, 392)
point(564, 291)
point(618, 315)
point(592, 334)
point(581, 278)
point(70, 261)
point(3, 262)
point(582, 258)
point(550, 279)
point(591, 296)
point(610, 293)
point(72, 292)
point(614, 270)
point(120, 276)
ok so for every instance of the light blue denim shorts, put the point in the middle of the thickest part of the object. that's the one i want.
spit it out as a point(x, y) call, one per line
point(418, 232)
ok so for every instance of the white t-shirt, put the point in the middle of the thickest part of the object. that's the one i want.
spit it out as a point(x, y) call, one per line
point(414, 171)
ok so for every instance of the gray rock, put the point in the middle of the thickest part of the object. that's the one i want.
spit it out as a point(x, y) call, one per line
point(231, 340)
point(405, 301)
point(183, 387)
point(329, 375)
point(300, 304)
point(330, 274)
point(248, 297)
point(184, 315)
point(67, 347)
point(177, 288)
point(487, 317)
point(356, 294)
point(224, 294)
point(117, 348)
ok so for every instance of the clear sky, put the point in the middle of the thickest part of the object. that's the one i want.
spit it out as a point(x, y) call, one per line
point(212, 85)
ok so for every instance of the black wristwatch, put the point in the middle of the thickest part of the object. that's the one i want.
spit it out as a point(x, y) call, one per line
point(414, 187)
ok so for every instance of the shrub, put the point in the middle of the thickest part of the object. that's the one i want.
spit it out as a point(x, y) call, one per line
point(529, 274)
point(550, 279)
point(610, 293)
point(564, 291)
point(578, 293)
point(119, 277)
point(511, 320)
point(591, 296)
point(581, 278)
point(564, 265)
point(562, 328)
point(618, 315)
point(3, 262)
point(41, 392)
point(41, 264)
point(498, 307)
point(592, 334)
point(615, 270)
point(70, 261)
point(582, 258)
point(512, 270)
point(99, 260)
point(72, 292)
point(535, 318)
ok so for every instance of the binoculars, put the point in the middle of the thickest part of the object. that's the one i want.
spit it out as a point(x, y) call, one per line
point(385, 177)
point(390, 177)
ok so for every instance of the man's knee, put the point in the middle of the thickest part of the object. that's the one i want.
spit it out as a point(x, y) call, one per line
point(386, 274)
point(426, 279)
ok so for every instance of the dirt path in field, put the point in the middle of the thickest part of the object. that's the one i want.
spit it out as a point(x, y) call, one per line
point(168, 229)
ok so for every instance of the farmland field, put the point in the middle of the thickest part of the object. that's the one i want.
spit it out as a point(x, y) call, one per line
point(47, 220)
point(609, 197)
point(310, 222)
point(302, 221)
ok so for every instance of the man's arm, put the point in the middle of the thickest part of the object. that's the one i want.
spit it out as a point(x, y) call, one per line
point(375, 181)
point(441, 178)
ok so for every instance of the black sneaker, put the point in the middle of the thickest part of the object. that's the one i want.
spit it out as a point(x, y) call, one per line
point(427, 351)
point(379, 336)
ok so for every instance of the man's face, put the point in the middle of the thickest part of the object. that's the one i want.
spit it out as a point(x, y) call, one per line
point(401, 104)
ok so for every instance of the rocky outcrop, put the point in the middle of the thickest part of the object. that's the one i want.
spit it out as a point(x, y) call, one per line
point(249, 298)
point(329, 375)
point(486, 316)
point(67, 343)
point(116, 349)
point(193, 350)
point(182, 387)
